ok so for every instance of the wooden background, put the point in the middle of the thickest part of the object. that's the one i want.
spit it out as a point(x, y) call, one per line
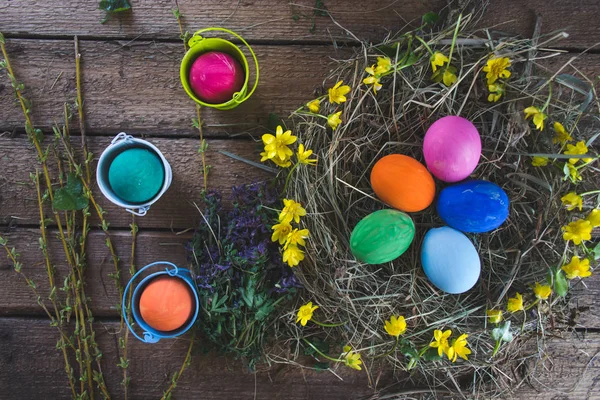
point(131, 83)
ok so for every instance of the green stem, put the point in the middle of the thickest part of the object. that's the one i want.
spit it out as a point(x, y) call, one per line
point(524, 319)
point(287, 179)
point(321, 353)
point(454, 38)
point(496, 347)
point(328, 325)
point(389, 352)
point(588, 193)
point(424, 44)
point(548, 99)
point(532, 305)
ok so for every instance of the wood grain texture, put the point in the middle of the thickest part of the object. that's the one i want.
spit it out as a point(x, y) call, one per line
point(135, 87)
point(267, 20)
point(570, 371)
point(31, 366)
point(175, 210)
point(253, 19)
point(16, 298)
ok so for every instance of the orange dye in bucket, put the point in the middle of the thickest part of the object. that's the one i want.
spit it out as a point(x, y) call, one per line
point(166, 303)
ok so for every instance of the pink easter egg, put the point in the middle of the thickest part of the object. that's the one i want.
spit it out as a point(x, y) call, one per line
point(215, 76)
point(452, 148)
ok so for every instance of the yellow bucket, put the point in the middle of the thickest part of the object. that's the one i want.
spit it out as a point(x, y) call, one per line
point(198, 45)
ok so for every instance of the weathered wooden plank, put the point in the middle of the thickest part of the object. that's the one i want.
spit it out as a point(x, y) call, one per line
point(175, 210)
point(135, 86)
point(256, 19)
point(28, 355)
point(570, 372)
point(261, 19)
point(16, 298)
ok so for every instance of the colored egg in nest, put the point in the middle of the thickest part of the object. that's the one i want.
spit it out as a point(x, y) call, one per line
point(450, 260)
point(403, 183)
point(215, 76)
point(473, 206)
point(382, 236)
point(166, 303)
point(452, 148)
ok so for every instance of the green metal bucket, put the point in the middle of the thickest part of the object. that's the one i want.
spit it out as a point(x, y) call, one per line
point(199, 45)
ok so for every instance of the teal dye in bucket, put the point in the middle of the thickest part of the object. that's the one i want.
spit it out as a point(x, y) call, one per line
point(136, 175)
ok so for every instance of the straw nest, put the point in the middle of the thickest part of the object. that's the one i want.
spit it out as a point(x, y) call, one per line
point(337, 195)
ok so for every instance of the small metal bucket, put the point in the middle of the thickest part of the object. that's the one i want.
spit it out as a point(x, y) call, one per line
point(151, 335)
point(199, 45)
point(120, 143)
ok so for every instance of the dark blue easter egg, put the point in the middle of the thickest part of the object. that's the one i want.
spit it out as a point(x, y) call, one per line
point(473, 206)
point(450, 260)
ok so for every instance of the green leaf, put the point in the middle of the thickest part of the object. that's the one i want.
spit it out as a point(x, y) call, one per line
point(597, 252)
point(503, 333)
point(273, 122)
point(320, 344)
point(71, 196)
point(431, 355)
point(408, 349)
point(113, 6)
point(430, 18)
point(561, 285)
point(321, 366)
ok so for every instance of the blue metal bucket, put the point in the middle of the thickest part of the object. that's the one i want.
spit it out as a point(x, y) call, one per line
point(151, 335)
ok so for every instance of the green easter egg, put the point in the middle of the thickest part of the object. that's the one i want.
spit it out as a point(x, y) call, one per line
point(136, 175)
point(382, 236)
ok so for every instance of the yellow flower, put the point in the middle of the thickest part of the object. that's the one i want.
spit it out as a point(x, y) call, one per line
point(561, 136)
point(438, 60)
point(281, 232)
point(449, 77)
point(578, 231)
point(496, 68)
point(496, 92)
point(495, 316)
point(304, 154)
point(305, 313)
point(372, 80)
point(333, 120)
point(396, 326)
point(515, 303)
point(338, 92)
point(441, 341)
point(542, 292)
point(571, 201)
point(573, 173)
point(314, 106)
point(285, 163)
point(459, 348)
point(594, 217)
point(296, 237)
point(291, 211)
point(539, 161)
point(352, 359)
point(277, 146)
point(538, 117)
point(292, 255)
point(577, 268)
point(579, 148)
point(384, 64)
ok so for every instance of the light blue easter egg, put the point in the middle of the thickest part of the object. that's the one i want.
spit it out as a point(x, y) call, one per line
point(450, 260)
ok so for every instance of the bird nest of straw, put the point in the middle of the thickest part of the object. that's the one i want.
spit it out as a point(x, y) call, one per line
point(528, 248)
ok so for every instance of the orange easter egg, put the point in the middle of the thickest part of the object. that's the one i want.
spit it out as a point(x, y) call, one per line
point(166, 303)
point(403, 183)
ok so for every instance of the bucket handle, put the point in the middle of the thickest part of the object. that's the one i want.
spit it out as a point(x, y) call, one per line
point(121, 137)
point(148, 336)
point(196, 37)
point(140, 211)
